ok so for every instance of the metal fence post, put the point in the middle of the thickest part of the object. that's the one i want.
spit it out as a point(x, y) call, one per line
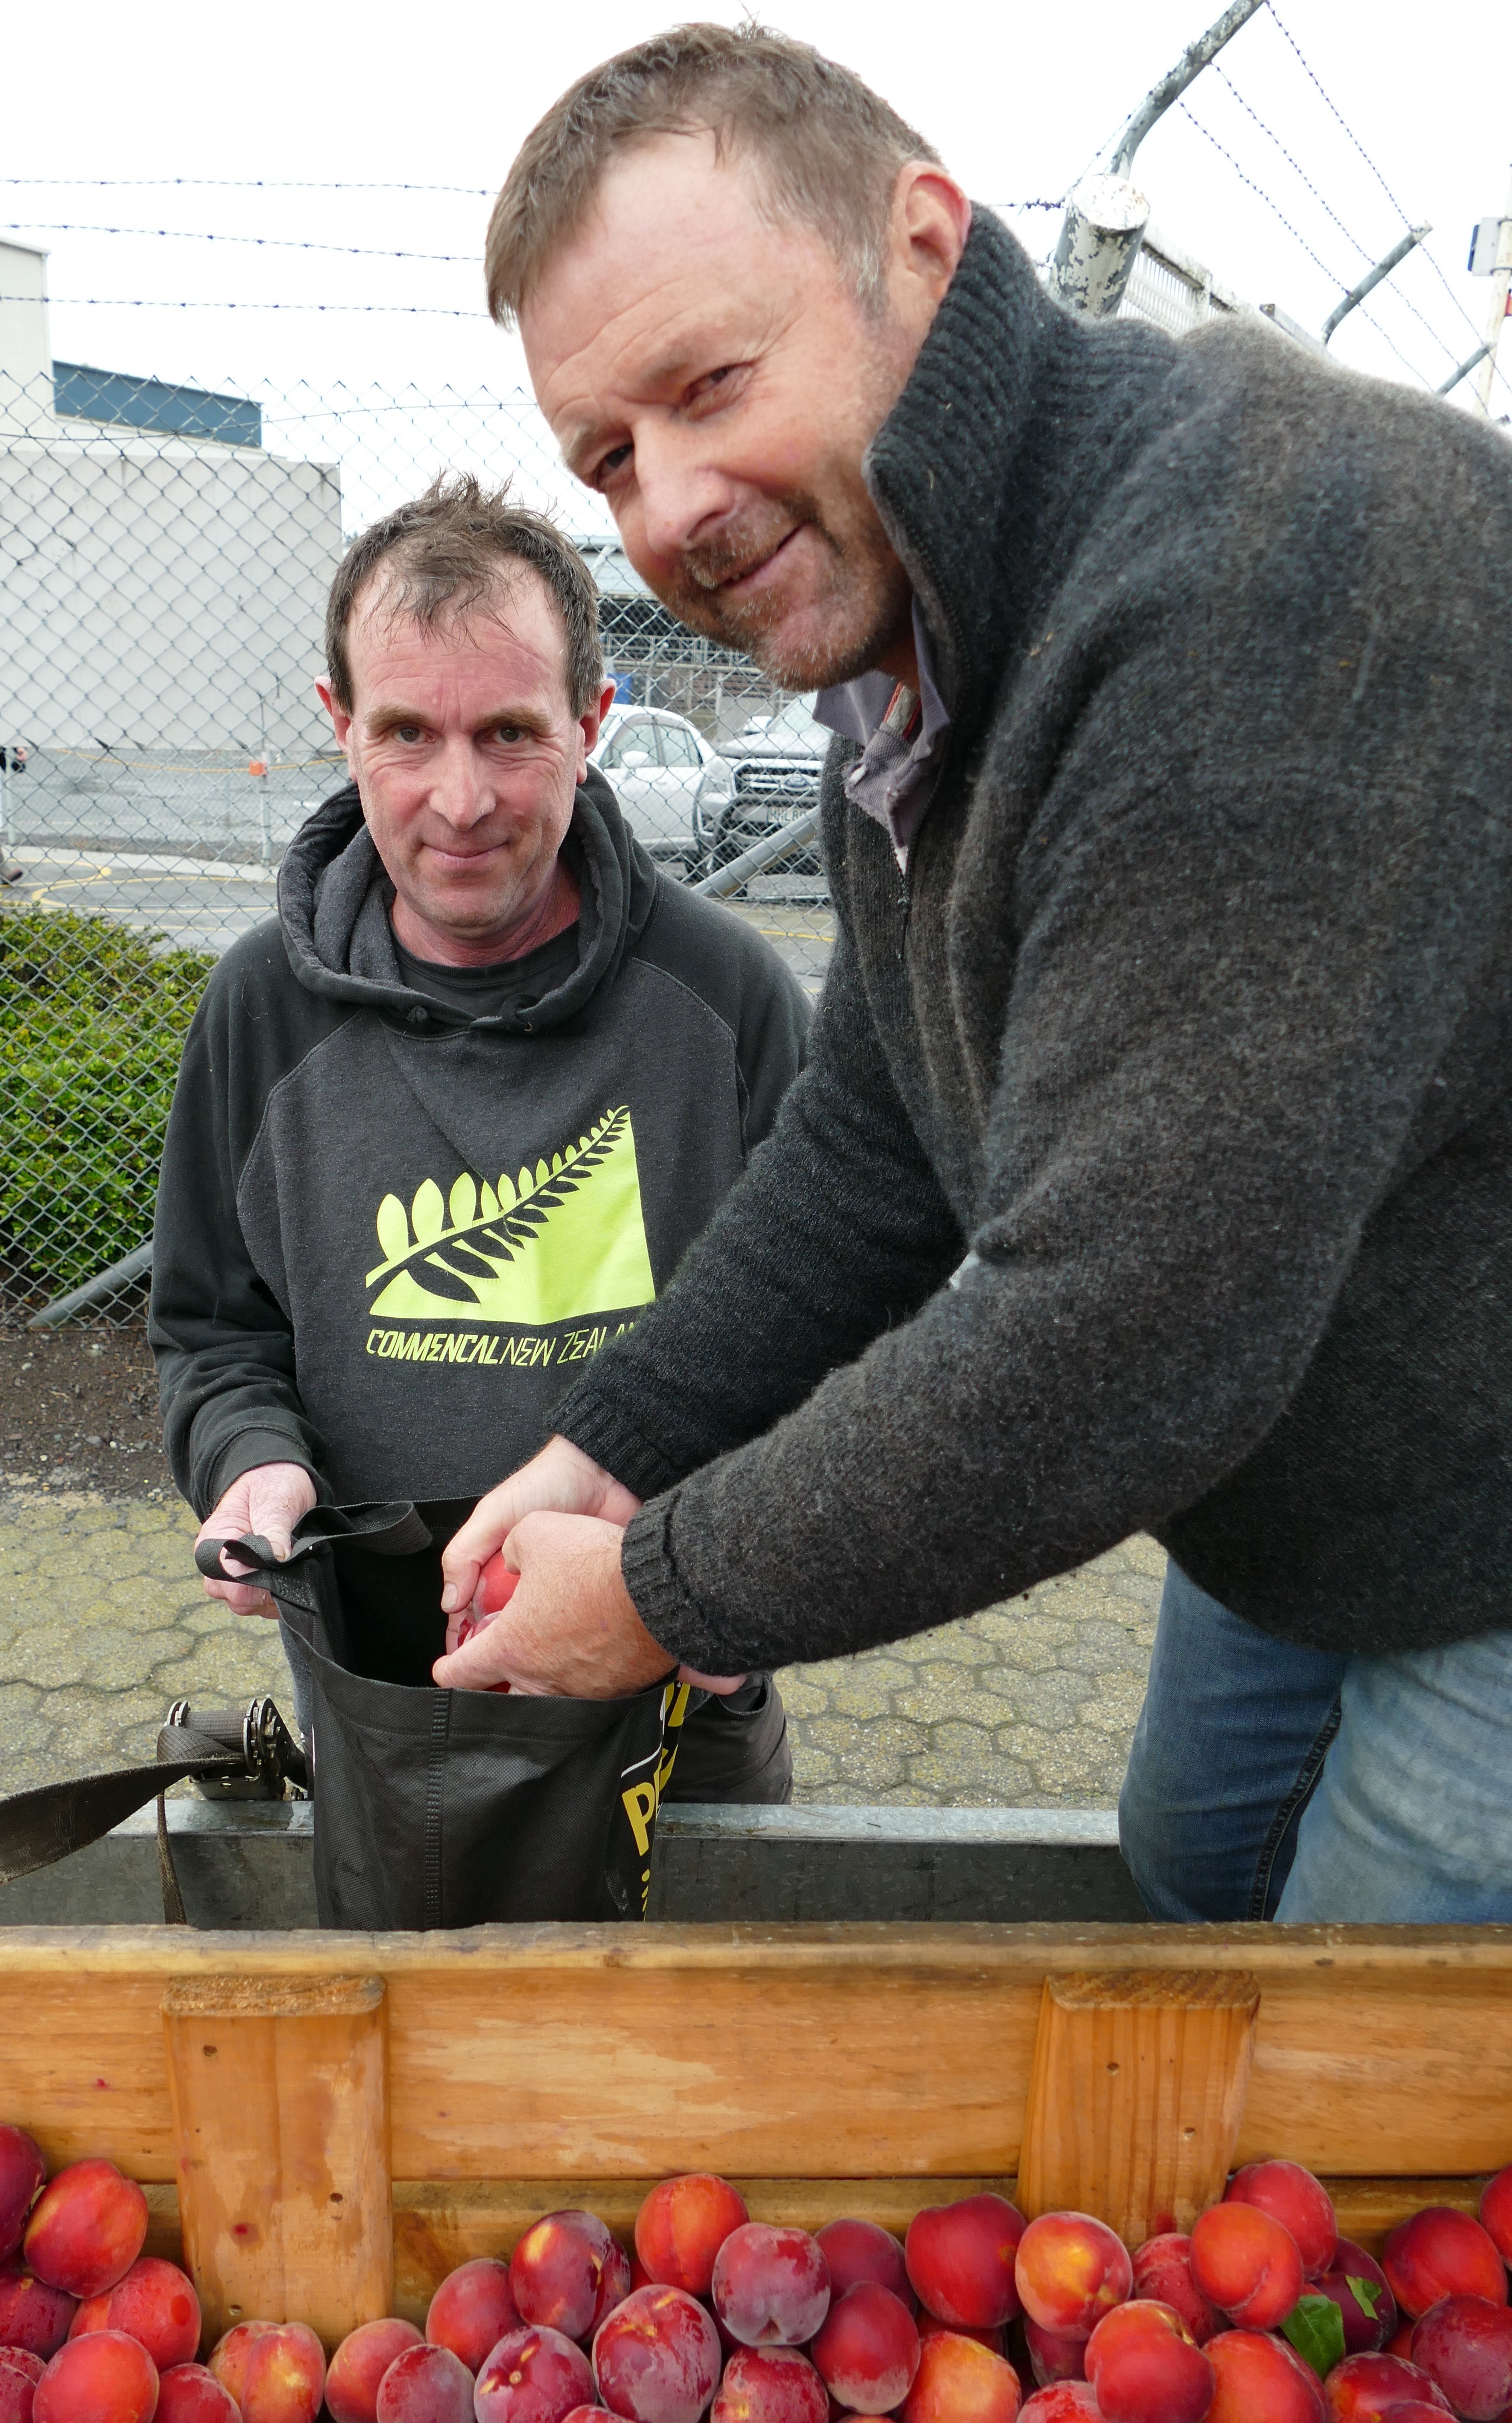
point(1106, 217)
point(1098, 245)
point(1496, 321)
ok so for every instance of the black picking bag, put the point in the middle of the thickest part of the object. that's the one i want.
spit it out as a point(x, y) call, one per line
point(456, 1807)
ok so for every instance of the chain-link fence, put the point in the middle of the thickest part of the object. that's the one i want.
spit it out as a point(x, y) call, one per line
point(167, 550)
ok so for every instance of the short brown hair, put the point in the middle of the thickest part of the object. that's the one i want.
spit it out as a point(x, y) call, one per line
point(829, 150)
point(445, 554)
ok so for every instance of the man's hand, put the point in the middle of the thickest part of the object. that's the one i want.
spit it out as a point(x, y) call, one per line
point(562, 1480)
point(268, 1500)
point(571, 1628)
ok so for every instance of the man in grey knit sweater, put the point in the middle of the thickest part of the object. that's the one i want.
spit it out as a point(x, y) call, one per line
point(1152, 1165)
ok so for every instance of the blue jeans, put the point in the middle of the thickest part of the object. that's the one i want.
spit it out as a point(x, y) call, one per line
point(1272, 1782)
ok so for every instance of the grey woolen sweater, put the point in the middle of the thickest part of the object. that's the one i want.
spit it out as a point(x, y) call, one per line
point(1192, 1021)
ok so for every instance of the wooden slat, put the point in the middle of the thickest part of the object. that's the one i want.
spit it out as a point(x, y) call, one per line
point(537, 2052)
point(1369, 2209)
point(828, 2073)
point(1349, 1952)
point(1382, 2072)
point(1137, 2091)
point(280, 2094)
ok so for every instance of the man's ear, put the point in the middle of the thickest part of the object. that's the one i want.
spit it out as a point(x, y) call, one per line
point(931, 220)
point(589, 724)
point(341, 720)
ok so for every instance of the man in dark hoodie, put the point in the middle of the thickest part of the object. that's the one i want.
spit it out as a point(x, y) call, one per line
point(447, 1126)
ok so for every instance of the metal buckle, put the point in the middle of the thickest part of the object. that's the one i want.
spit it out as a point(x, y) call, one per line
point(272, 1760)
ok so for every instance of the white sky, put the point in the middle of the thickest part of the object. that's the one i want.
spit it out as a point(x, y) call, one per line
point(1018, 102)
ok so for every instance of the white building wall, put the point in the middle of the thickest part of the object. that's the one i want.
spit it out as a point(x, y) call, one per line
point(163, 593)
point(156, 592)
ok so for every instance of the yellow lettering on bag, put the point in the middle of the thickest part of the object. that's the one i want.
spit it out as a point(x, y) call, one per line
point(371, 1334)
point(640, 1808)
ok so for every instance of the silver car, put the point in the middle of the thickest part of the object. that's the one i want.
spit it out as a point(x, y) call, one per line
point(775, 765)
point(666, 777)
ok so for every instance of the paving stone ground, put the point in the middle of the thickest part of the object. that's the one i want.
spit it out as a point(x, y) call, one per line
point(104, 1622)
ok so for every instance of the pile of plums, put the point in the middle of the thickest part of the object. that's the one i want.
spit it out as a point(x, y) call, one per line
point(1262, 2315)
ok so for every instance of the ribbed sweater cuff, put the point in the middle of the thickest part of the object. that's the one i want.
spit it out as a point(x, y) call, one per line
point(663, 1605)
point(249, 1449)
point(602, 1432)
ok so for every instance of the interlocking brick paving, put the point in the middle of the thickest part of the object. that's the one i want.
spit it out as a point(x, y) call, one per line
point(104, 1622)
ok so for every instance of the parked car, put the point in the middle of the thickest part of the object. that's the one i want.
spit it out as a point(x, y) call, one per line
point(666, 777)
point(775, 764)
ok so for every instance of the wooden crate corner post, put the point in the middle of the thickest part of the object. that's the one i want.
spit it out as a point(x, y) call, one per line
point(280, 2108)
point(1136, 2095)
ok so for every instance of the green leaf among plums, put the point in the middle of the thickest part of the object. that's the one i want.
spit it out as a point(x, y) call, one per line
point(1316, 2329)
point(1367, 2294)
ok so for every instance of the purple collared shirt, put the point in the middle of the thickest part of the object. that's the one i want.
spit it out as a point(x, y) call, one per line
point(903, 734)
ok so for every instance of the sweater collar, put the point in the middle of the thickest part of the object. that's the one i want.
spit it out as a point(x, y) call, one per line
point(956, 465)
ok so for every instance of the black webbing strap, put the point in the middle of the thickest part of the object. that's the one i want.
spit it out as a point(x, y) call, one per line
point(392, 1530)
point(54, 1819)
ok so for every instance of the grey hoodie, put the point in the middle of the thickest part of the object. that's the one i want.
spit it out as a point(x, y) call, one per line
point(387, 1233)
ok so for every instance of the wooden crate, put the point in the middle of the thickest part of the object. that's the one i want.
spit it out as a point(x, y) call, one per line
point(330, 2122)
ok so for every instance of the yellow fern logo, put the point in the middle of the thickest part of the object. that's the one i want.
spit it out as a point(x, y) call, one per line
point(556, 1244)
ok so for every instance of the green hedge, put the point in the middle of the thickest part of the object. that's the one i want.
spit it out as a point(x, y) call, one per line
point(92, 1022)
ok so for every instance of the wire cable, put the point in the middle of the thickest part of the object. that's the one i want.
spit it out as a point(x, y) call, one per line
point(1402, 212)
point(1317, 82)
point(214, 303)
point(1294, 233)
point(202, 235)
point(1316, 259)
point(1295, 165)
point(260, 184)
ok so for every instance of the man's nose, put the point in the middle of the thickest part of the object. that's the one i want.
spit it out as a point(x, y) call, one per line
point(682, 498)
point(461, 789)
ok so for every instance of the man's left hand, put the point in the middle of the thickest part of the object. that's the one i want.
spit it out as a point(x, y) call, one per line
point(571, 1628)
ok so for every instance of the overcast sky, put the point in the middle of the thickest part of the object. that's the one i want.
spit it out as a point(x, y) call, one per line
point(1018, 101)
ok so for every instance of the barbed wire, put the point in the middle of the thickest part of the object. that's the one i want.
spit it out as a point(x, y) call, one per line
point(261, 185)
point(1329, 104)
point(1402, 212)
point(1319, 263)
point(214, 303)
point(1314, 258)
point(1321, 200)
point(1468, 318)
point(203, 235)
point(1324, 205)
point(1260, 192)
point(1327, 206)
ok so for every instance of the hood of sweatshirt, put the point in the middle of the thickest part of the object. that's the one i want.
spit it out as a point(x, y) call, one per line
point(334, 897)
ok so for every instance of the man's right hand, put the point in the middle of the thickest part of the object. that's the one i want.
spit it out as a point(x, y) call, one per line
point(562, 1480)
point(268, 1500)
